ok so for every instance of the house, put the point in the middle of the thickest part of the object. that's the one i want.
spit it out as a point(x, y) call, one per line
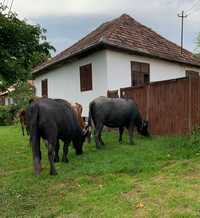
point(6, 99)
point(119, 53)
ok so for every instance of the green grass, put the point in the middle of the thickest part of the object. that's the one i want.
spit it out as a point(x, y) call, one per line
point(157, 177)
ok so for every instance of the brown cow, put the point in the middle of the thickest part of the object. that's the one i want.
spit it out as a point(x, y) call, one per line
point(23, 121)
point(78, 110)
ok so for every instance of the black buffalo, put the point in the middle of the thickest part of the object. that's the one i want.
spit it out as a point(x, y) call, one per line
point(116, 113)
point(53, 120)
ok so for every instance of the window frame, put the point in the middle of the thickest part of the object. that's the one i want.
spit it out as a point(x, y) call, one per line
point(85, 73)
point(44, 88)
point(140, 73)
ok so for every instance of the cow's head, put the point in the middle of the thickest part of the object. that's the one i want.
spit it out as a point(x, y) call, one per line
point(78, 142)
point(143, 129)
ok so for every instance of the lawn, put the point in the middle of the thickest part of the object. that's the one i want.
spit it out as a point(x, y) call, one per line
point(157, 177)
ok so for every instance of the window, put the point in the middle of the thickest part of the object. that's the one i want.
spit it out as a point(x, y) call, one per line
point(45, 88)
point(192, 74)
point(2, 100)
point(86, 77)
point(139, 73)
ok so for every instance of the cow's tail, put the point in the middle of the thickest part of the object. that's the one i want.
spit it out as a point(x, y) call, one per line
point(33, 117)
point(91, 105)
point(90, 120)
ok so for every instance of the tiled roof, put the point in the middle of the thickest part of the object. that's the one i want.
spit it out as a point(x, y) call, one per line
point(127, 34)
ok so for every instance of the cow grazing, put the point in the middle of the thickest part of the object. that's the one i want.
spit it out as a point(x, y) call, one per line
point(78, 110)
point(115, 113)
point(53, 120)
point(22, 119)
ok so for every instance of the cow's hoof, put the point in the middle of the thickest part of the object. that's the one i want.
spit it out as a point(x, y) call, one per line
point(53, 173)
point(131, 143)
point(65, 160)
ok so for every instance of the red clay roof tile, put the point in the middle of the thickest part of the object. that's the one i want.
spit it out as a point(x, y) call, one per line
point(126, 33)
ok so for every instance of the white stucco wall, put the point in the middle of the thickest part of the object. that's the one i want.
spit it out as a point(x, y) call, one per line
point(110, 71)
point(9, 100)
point(64, 82)
point(119, 69)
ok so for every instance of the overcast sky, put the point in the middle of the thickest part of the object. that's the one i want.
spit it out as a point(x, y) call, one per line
point(68, 20)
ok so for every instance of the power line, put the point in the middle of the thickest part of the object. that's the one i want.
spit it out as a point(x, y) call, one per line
point(194, 11)
point(10, 7)
point(182, 16)
point(193, 6)
point(3, 2)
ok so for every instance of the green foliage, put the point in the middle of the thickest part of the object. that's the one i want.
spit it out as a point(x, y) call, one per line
point(22, 47)
point(195, 137)
point(157, 177)
point(22, 94)
point(7, 114)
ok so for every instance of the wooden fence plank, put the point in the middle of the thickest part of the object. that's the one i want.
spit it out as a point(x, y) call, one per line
point(172, 107)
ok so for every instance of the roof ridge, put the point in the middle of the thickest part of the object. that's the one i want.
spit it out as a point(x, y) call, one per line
point(102, 39)
point(150, 29)
point(128, 17)
point(128, 33)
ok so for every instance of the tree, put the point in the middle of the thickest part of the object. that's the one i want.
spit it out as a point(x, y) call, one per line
point(22, 47)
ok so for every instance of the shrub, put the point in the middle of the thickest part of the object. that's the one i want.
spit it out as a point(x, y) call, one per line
point(22, 94)
point(7, 114)
point(195, 137)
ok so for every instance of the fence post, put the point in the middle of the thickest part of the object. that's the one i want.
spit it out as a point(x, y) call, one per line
point(190, 106)
point(148, 101)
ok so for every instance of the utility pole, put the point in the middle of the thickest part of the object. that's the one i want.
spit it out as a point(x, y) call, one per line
point(182, 16)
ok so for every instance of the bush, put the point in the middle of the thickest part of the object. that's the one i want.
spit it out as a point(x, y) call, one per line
point(195, 137)
point(7, 114)
point(22, 94)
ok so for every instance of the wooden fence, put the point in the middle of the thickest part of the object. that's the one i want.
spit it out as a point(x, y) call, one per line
point(171, 107)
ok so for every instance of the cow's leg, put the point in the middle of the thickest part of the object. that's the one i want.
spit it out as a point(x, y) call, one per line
point(40, 154)
point(56, 158)
point(65, 152)
point(98, 130)
point(51, 154)
point(35, 142)
point(121, 130)
point(51, 136)
point(130, 134)
point(89, 137)
point(101, 141)
point(22, 127)
point(100, 138)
